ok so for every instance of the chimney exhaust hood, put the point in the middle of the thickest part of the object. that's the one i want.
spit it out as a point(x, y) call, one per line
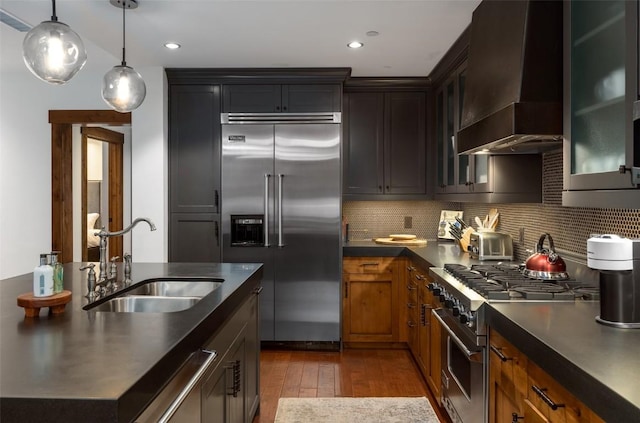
point(513, 94)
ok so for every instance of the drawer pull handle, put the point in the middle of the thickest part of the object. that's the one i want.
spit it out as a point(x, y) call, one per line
point(515, 417)
point(419, 277)
point(501, 356)
point(411, 305)
point(544, 397)
point(411, 324)
point(411, 287)
point(369, 264)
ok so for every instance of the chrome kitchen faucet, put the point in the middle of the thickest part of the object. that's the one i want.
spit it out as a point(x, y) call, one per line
point(106, 278)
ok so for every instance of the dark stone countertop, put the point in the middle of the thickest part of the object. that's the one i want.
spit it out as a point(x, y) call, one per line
point(102, 366)
point(434, 254)
point(600, 365)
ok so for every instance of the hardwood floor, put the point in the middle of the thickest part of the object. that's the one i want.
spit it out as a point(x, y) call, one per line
point(350, 373)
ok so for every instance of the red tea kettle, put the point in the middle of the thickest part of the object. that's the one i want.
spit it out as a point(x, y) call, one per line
point(545, 264)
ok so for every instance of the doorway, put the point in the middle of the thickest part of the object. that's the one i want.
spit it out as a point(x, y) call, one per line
point(62, 122)
point(101, 170)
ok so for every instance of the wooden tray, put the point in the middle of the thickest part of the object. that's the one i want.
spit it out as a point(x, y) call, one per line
point(407, 242)
point(33, 304)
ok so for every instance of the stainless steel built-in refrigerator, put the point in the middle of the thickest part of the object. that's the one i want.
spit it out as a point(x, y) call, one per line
point(281, 207)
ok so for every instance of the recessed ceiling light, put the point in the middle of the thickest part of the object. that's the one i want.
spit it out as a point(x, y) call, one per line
point(355, 44)
point(372, 33)
point(172, 46)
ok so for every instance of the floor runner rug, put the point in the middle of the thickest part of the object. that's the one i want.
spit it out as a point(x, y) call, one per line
point(355, 410)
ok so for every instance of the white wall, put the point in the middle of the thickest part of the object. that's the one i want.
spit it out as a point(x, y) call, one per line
point(25, 156)
point(149, 169)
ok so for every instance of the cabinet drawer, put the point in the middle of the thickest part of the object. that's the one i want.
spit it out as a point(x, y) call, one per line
point(368, 264)
point(553, 401)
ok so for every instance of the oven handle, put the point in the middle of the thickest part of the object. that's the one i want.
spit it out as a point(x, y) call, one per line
point(453, 336)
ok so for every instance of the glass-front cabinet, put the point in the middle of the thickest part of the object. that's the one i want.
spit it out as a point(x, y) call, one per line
point(601, 88)
point(456, 174)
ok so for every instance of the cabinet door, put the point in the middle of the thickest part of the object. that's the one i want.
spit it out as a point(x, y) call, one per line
point(194, 238)
point(214, 397)
point(252, 98)
point(252, 362)
point(236, 382)
point(194, 149)
point(507, 380)
point(299, 98)
point(363, 143)
point(602, 78)
point(405, 143)
point(370, 300)
point(452, 177)
point(532, 414)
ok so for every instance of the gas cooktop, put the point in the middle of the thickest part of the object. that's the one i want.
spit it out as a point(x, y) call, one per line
point(505, 282)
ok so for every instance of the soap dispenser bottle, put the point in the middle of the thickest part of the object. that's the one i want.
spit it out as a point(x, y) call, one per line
point(58, 271)
point(43, 278)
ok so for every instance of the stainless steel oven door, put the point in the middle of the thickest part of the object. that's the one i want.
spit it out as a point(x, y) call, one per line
point(463, 372)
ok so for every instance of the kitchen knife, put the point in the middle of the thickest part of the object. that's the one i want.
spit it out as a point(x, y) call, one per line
point(461, 222)
point(455, 234)
point(455, 229)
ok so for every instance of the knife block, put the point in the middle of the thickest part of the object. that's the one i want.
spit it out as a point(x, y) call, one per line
point(466, 238)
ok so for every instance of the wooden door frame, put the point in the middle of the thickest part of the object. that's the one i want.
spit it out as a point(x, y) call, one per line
point(115, 172)
point(62, 122)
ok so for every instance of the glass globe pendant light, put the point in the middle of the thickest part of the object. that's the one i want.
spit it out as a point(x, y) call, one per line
point(123, 89)
point(52, 51)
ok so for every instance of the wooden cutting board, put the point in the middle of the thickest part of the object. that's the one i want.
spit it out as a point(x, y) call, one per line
point(407, 242)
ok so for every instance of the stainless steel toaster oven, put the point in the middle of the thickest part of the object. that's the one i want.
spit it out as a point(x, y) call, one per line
point(490, 246)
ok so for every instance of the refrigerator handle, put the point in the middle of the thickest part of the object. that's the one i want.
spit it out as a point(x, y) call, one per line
point(265, 225)
point(280, 242)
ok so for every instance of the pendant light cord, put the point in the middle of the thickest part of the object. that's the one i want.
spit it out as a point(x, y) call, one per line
point(124, 62)
point(54, 18)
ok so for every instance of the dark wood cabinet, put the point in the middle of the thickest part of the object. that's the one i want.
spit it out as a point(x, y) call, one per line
point(194, 173)
point(286, 98)
point(384, 143)
point(363, 143)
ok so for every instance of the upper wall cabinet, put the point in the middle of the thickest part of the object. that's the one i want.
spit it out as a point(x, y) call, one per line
point(601, 150)
point(384, 149)
point(455, 173)
point(478, 177)
point(276, 98)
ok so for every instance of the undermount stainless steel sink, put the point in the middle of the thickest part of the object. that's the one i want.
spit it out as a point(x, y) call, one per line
point(163, 295)
point(177, 288)
point(146, 303)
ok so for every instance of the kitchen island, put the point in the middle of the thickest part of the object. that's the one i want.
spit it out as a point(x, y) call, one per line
point(104, 366)
point(599, 365)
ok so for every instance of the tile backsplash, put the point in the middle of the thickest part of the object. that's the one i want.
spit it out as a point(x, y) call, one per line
point(570, 227)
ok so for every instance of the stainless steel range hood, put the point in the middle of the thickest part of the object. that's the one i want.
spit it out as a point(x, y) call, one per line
point(513, 94)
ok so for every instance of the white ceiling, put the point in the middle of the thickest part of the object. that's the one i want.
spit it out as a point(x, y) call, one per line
point(413, 35)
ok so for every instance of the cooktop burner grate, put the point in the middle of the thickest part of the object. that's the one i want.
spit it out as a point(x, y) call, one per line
point(506, 282)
